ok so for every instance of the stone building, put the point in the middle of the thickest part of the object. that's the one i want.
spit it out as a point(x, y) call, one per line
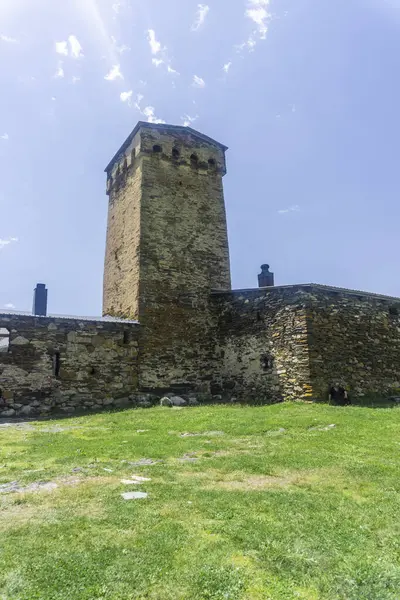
point(171, 320)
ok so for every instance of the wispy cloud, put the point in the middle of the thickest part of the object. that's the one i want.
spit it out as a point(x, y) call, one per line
point(114, 73)
point(126, 97)
point(187, 120)
point(155, 46)
point(291, 209)
point(198, 82)
point(147, 111)
point(71, 47)
point(120, 49)
point(160, 53)
point(75, 79)
point(59, 74)
point(75, 47)
point(9, 305)
point(227, 66)
point(7, 241)
point(172, 71)
point(116, 7)
point(5, 136)
point(8, 39)
point(202, 12)
point(257, 12)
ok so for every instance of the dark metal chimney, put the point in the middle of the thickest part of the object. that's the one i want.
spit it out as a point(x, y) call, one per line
point(40, 300)
point(265, 278)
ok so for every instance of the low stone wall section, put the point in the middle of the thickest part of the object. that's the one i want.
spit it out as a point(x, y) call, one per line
point(66, 364)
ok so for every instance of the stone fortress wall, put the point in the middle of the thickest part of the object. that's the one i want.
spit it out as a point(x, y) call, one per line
point(50, 364)
point(171, 321)
point(292, 342)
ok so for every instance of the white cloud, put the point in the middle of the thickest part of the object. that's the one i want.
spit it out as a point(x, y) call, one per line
point(155, 46)
point(257, 11)
point(148, 112)
point(116, 7)
point(227, 66)
point(120, 49)
point(53, 98)
point(75, 79)
point(59, 74)
point(172, 71)
point(198, 82)
point(75, 47)
point(285, 211)
point(9, 305)
point(9, 40)
point(7, 241)
point(115, 73)
point(62, 48)
point(202, 12)
point(126, 96)
point(5, 136)
point(71, 48)
point(187, 120)
point(157, 61)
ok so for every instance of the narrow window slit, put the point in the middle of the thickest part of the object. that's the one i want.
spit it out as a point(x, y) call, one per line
point(56, 364)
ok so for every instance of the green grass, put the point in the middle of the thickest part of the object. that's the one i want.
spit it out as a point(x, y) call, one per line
point(305, 513)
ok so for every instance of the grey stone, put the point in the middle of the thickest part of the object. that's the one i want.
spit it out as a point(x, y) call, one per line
point(108, 402)
point(193, 402)
point(8, 413)
point(26, 411)
point(144, 404)
point(133, 495)
point(217, 398)
point(122, 402)
point(165, 401)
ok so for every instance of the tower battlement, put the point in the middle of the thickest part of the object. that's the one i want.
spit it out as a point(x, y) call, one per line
point(181, 146)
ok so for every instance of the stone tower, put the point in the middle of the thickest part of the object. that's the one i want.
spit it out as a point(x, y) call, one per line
point(167, 247)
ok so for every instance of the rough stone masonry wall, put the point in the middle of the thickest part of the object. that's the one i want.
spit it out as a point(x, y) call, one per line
point(262, 350)
point(354, 339)
point(121, 266)
point(97, 365)
point(184, 255)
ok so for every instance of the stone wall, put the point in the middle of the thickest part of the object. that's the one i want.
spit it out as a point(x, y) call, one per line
point(262, 345)
point(354, 338)
point(66, 364)
point(167, 248)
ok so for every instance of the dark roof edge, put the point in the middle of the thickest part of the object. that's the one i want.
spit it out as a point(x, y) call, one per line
point(320, 286)
point(144, 124)
point(21, 313)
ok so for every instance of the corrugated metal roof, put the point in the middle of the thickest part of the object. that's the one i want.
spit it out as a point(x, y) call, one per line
point(19, 313)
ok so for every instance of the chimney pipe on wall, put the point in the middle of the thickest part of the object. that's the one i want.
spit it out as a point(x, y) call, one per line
point(40, 300)
point(265, 278)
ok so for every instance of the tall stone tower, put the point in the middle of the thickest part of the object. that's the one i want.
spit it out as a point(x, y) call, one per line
point(167, 247)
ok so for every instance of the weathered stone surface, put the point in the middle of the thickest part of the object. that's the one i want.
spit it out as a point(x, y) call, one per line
point(134, 495)
point(88, 373)
point(167, 248)
point(173, 401)
point(8, 413)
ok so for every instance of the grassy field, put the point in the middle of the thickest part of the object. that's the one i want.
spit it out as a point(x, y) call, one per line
point(262, 503)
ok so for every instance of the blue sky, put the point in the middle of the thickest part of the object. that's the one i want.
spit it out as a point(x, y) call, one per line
point(304, 93)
